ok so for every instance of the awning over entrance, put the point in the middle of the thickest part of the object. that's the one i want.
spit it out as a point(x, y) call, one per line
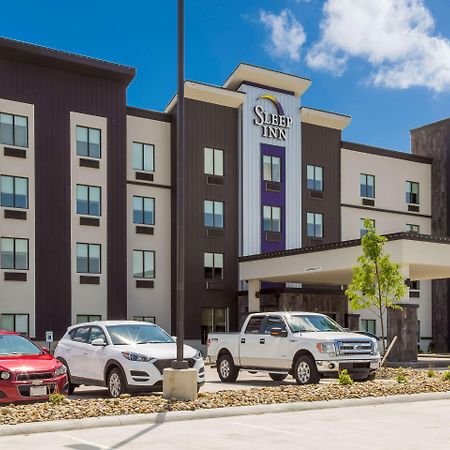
point(421, 257)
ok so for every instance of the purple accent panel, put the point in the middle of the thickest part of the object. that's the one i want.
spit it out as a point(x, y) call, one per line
point(270, 198)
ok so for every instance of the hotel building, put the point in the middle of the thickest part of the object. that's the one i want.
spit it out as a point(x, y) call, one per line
point(88, 206)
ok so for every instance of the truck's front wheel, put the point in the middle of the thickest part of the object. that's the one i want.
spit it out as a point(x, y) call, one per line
point(226, 369)
point(305, 371)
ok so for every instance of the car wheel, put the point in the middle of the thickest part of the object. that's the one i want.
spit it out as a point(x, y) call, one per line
point(115, 383)
point(278, 376)
point(226, 369)
point(305, 371)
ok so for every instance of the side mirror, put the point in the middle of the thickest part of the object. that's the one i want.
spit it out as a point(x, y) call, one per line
point(279, 332)
point(99, 342)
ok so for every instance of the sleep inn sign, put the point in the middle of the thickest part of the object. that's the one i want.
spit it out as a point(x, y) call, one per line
point(272, 125)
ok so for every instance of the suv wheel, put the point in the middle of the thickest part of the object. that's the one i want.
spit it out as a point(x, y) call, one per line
point(115, 383)
point(305, 371)
point(226, 369)
point(278, 376)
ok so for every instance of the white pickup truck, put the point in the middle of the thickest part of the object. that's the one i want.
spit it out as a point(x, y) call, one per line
point(306, 345)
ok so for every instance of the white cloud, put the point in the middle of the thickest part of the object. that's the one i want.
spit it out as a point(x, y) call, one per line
point(286, 34)
point(395, 36)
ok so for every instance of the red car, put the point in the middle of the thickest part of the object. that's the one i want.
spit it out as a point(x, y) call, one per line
point(28, 372)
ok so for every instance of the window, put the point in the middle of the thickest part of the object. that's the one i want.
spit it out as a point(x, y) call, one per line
point(97, 333)
point(272, 218)
point(88, 258)
point(314, 223)
point(149, 319)
point(412, 192)
point(13, 130)
point(89, 200)
point(214, 320)
point(214, 266)
point(414, 285)
point(81, 334)
point(88, 142)
point(362, 228)
point(143, 264)
point(412, 228)
point(15, 322)
point(369, 325)
point(213, 214)
point(82, 318)
point(274, 322)
point(14, 192)
point(254, 325)
point(143, 157)
point(367, 186)
point(143, 210)
point(272, 168)
point(213, 161)
point(14, 253)
point(314, 178)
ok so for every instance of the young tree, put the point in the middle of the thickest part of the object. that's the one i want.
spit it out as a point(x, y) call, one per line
point(377, 283)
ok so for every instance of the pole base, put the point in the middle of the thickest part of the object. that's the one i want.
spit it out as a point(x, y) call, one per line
point(180, 364)
point(180, 384)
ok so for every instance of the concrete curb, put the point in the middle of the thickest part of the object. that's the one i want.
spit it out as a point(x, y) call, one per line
point(149, 419)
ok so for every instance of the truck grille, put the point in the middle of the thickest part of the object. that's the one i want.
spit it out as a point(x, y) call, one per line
point(354, 348)
point(34, 376)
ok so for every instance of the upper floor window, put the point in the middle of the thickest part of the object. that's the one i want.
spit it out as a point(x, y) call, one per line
point(14, 253)
point(13, 130)
point(272, 168)
point(369, 325)
point(314, 178)
point(14, 192)
point(272, 218)
point(143, 157)
point(88, 142)
point(213, 214)
point(314, 222)
point(88, 258)
point(367, 185)
point(213, 161)
point(143, 264)
point(15, 322)
point(89, 200)
point(143, 210)
point(83, 318)
point(362, 227)
point(412, 192)
point(414, 285)
point(214, 265)
point(412, 228)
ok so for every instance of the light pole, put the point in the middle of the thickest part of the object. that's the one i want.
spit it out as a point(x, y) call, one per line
point(179, 363)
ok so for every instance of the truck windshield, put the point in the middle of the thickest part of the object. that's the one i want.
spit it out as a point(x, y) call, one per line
point(312, 322)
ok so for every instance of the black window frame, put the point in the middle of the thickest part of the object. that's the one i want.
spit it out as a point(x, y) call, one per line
point(315, 167)
point(214, 214)
point(366, 176)
point(14, 130)
point(89, 186)
point(88, 141)
point(214, 150)
point(14, 177)
point(143, 319)
point(409, 227)
point(323, 225)
point(366, 328)
point(271, 168)
point(271, 219)
point(409, 193)
point(142, 158)
point(14, 253)
point(214, 268)
point(89, 244)
point(143, 210)
point(143, 277)
point(14, 318)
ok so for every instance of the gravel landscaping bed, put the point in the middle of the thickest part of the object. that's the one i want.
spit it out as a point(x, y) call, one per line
point(413, 381)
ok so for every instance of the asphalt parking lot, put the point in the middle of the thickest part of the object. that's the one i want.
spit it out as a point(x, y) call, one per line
point(246, 380)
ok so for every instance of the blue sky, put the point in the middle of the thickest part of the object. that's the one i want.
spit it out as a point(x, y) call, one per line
point(384, 62)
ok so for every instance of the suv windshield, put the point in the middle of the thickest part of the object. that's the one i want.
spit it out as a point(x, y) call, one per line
point(312, 322)
point(131, 334)
point(12, 344)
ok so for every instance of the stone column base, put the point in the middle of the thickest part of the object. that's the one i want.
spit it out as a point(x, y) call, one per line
point(180, 384)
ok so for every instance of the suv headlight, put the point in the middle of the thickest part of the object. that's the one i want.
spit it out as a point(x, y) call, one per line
point(327, 347)
point(198, 355)
point(61, 370)
point(137, 357)
point(5, 375)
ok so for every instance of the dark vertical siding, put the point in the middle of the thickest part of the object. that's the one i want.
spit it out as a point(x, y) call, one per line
point(209, 125)
point(55, 93)
point(321, 147)
point(434, 141)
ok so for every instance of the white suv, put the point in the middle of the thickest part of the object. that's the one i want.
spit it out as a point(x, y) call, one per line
point(121, 355)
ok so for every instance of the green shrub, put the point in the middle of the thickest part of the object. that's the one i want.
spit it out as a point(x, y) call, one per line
point(56, 398)
point(344, 378)
point(447, 375)
point(401, 377)
point(431, 373)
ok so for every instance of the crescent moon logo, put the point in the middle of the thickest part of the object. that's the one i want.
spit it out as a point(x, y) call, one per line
point(275, 101)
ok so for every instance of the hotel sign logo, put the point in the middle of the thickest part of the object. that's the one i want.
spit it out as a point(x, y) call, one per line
point(272, 125)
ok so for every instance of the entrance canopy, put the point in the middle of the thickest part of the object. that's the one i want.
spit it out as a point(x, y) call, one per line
point(421, 257)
